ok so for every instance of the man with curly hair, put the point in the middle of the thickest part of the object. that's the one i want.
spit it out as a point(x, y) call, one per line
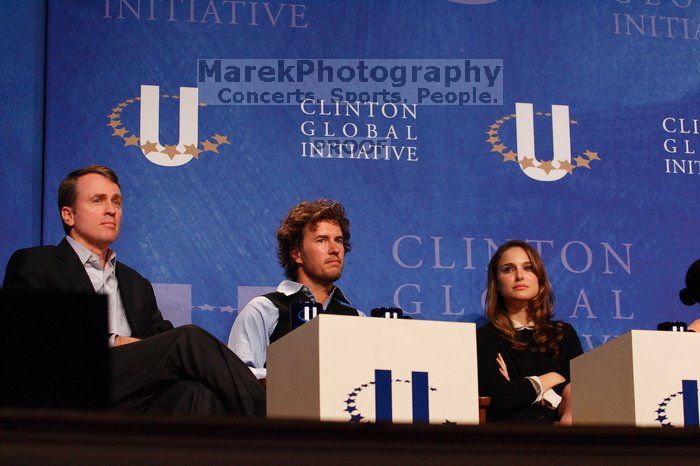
point(311, 245)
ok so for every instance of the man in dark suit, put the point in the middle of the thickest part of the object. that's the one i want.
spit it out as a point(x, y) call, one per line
point(154, 368)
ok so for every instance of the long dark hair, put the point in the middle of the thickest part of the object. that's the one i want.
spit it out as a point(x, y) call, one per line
point(548, 334)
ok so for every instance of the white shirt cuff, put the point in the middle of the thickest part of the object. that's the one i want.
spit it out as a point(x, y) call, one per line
point(258, 372)
point(537, 385)
point(551, 398)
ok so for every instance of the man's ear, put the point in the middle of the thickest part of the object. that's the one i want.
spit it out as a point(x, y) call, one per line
point(296, 256)
point(67, 216)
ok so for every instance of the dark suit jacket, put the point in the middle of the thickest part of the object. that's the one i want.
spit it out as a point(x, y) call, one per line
point(58, 268)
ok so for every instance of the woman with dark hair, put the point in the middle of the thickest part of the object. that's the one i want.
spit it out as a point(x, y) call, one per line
point(523, 354)
point(690, 295)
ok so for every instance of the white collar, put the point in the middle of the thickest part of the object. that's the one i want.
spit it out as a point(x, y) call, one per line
point(518, 326)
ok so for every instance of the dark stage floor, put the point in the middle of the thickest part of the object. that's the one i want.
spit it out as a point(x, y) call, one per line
point(95, 438)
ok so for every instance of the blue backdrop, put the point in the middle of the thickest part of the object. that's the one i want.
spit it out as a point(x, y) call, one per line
point(22, 31)
point(617, 231)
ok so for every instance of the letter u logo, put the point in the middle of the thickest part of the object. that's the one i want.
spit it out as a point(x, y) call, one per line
point(383, 396)
point(690, 403)
point(525, 129)
point(165, 155)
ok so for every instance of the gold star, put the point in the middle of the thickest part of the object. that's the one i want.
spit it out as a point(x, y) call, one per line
point(221, 139)
point(491, 132)
point(500, 122)
point(137, 98)
point(192, 150)
point(498, 148)
point(547, 167)
point(591, 155)
point(119, 132)
point(565, 165)
point(149, 147)
point(510, 156)
point(117, 109)
point(171, 151)
point(538, 113)
point(202, 104)
point(513, 115)
point(495, 126)
point(210, 146)
point(574, 122)
point(131, 141)
point(526, 163)
point(581, 162)
point(114, 123)
point(506, 118)
point(129, 101)
point(113, 115)
point(176, 97)
point(548, 114)
point(493, 139)
point(167, 96)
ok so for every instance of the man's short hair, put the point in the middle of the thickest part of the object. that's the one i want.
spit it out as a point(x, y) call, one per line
point(67, 192)
point(291, 231)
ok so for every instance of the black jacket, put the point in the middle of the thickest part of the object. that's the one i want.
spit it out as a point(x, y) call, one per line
point(512, 400)
point(58, 268)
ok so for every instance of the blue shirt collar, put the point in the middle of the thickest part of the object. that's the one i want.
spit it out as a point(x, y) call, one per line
point(288, 288)
point(85, 255)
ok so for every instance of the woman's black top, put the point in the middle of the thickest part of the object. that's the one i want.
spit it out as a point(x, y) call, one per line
point(512, 400)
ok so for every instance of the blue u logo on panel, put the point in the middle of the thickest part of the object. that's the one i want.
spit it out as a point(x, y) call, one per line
point(383, 396)
point(384, 384)
point(690, 403)
point(668, 410)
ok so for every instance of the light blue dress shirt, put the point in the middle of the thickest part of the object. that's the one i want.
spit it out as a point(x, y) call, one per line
point(104, 281)
point(250, 335)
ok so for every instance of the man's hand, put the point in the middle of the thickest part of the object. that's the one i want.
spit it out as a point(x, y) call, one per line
point(120, 340)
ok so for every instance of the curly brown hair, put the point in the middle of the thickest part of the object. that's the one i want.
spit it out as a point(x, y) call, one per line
point(67, 190)
point(548, 334)
point(291, 231)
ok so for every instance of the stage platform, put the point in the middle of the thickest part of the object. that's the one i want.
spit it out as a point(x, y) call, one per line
point(43, 437)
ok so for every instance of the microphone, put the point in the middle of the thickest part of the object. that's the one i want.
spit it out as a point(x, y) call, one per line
point(674, 326)
point(388, 313)
point(302, 312)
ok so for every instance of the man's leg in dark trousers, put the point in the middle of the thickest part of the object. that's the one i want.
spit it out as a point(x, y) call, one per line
point(183, 397)
point(143, 372)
